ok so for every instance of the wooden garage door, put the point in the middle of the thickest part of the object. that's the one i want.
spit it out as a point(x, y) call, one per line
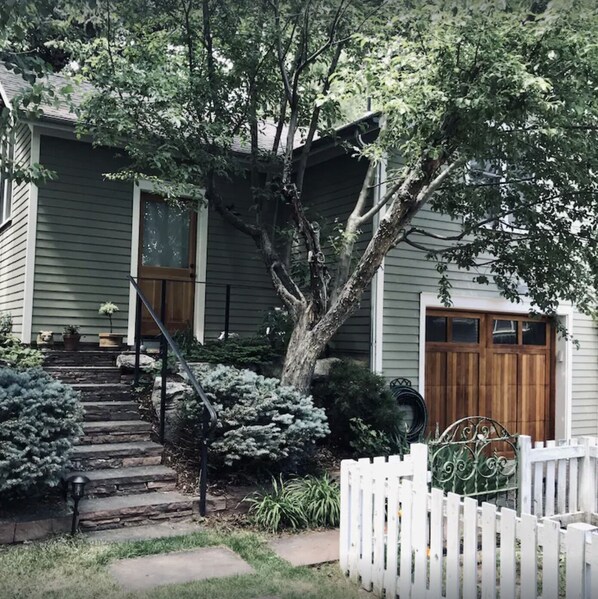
point(494, 365)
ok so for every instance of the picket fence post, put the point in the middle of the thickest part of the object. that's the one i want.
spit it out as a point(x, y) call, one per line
point(577, 573)
point(587, 479)
point(524, 473)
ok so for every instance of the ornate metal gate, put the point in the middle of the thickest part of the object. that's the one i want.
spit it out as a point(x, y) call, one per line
point(476, 457)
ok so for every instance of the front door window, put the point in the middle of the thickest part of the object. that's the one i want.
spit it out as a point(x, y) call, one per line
point(165, 235)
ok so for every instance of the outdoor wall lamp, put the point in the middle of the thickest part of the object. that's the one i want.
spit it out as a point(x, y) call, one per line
point(75, 486)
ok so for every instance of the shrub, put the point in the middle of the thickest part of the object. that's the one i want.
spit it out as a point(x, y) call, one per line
point(240, 352)
point(277, 509)
point(320, 498)
point(39, 421)
point(262, 424)
point(353, 391)
point(12, 352)
point(311, 501)
point(368, 442)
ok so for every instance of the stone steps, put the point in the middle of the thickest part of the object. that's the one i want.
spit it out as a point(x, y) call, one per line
point(128, 485)
point(110, 410)
point(85, 374)
point(82, 357)
point(125, 481)
point(103, 391)
point(116, 455)
point(115, 431)
point(135, 510)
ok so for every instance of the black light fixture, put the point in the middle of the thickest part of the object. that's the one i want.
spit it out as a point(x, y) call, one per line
point(75, 487)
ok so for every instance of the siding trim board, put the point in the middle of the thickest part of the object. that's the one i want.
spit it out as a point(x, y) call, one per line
point(200, 261)
point(564, 357)
point(31, 242)
point(377, 307)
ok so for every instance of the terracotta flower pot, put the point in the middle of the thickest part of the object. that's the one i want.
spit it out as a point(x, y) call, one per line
point(111, 340)
point(71, 342)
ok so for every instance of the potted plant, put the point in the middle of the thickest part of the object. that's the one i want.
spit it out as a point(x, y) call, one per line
point(70, 337)
point(109, 339)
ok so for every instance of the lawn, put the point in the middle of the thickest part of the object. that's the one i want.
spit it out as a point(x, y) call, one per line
point(77, 569)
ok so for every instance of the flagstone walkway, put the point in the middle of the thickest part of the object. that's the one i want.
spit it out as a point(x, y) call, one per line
point(142, 573)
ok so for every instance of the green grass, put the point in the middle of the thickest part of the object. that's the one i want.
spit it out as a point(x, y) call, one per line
point(77, 569)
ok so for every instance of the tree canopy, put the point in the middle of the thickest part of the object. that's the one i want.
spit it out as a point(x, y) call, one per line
point(489, 107)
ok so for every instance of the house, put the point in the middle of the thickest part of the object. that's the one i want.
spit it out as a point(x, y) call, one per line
point(71, 243)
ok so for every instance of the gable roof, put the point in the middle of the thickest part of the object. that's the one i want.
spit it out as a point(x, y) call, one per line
point(12, 85)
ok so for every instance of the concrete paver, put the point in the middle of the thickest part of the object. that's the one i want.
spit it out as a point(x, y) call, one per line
point(147, 572)
point(308, 549)
point(143, 533)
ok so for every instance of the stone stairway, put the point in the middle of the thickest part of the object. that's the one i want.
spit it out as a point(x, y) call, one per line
point(128, 486)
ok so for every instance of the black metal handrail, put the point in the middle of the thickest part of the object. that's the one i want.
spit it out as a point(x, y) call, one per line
point(210, 417)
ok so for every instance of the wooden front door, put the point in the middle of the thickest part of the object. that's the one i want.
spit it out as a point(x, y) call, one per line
point(494, 365)
point(167, 243)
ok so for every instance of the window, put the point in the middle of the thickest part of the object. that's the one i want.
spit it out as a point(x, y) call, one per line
point(6, 158)
point(466, 330)
point(436, 328)
point(504, 332)
point(534, 333)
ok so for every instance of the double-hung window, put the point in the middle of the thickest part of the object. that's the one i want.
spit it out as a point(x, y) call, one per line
point(6, 161)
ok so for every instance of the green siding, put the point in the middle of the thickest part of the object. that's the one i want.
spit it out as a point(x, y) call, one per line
point(584, 417)
point(13, 239)
point(331, 190)
point(233, 259)
point(408, 274)
point(83, 250)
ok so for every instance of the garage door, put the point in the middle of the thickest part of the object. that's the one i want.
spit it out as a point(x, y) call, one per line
point(495, 365)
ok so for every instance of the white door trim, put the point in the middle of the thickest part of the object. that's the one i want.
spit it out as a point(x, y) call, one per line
point(563, 349)
point(201, 262)
point(29, 284)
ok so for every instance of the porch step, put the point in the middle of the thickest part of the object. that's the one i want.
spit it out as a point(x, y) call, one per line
point(103, 391)
point(85, 374)
point(124, 481)
point(92, 356)
point(115, 431)
point(116, 455)
point(110, 410)
point(135, 510)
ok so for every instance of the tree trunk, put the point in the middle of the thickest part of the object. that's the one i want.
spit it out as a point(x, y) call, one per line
point(305, 347)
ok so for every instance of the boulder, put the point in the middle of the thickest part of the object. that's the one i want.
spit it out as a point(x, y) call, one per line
point(126, 362)
point(176, 391)
point(323, 366)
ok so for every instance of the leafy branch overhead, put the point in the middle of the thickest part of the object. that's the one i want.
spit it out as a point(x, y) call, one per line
point(483, 113)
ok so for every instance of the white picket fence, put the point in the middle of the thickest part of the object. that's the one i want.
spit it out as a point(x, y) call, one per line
point(398, 539)
point(558, 478)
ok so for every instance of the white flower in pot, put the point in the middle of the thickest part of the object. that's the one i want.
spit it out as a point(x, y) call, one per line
point(110, 339)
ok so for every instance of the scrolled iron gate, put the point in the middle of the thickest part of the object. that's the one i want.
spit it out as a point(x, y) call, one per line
point(476, 457)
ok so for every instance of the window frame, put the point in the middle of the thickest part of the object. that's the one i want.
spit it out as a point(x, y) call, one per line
point(6, 181)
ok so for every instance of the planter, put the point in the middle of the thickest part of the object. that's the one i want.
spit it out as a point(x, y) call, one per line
point(71, 342)
point(111, 340)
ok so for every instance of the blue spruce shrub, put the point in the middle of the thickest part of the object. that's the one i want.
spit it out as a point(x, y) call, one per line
point(262, 425)
point(39, 421)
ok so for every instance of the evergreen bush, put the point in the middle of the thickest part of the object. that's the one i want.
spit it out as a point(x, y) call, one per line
point(352, 391)
point(39, 421)
point(262, 425)
point(240, 352)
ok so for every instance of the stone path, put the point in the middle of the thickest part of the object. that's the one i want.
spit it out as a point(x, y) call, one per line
point(307, 549)
point(143, 573)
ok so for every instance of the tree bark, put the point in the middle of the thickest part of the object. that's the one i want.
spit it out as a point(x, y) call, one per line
point(305, 346)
